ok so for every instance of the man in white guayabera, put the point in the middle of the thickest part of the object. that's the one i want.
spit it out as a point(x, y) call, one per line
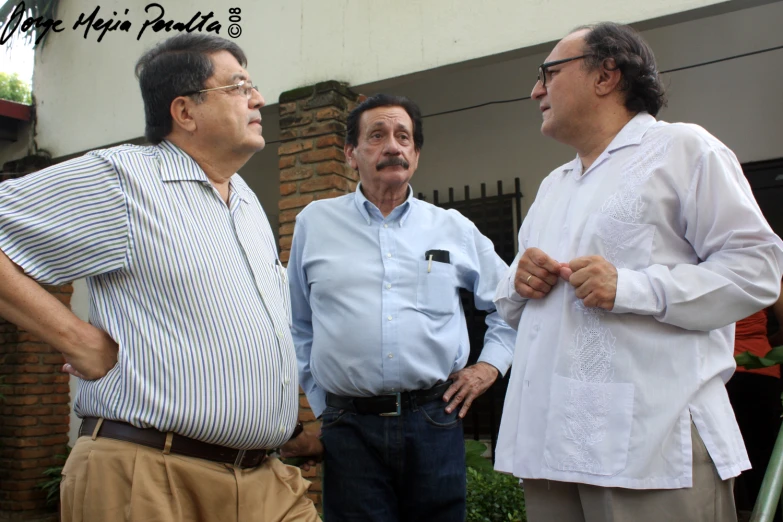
point(635, 260)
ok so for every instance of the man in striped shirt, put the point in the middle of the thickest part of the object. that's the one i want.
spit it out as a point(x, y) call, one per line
point(187, 367)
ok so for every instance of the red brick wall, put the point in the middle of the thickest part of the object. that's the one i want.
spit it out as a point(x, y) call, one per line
point(34, 415)
point(312, 166)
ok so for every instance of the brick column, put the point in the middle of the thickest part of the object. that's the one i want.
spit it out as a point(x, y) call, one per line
point(34, 415)
point(312, 166)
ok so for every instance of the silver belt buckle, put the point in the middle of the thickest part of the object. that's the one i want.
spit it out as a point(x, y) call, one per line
point(240, 457)
point(399, 407)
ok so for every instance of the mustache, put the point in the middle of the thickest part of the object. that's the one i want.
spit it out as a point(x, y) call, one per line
point(392, 162)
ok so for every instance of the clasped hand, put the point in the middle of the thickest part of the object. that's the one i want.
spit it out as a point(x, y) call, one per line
point(593, 278)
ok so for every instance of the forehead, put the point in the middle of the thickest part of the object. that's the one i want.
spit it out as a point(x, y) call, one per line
point(571, 45)
point(226, 67)
point(385, 116)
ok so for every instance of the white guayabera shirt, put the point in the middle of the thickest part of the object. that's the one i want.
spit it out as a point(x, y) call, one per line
point(606, 398)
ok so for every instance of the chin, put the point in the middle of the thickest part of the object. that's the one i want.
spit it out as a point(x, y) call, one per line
point(396, 176)
point(547, 129)
point(258, 143)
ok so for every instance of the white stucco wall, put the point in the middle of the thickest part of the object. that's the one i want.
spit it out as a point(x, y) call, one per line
point(739, 101)
point(88, 97)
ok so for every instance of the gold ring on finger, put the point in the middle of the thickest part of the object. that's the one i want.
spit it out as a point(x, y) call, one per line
point(527, 281)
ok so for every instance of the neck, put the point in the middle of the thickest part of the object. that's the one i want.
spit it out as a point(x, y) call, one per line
point(599, 135)
point(218, 165)
point(386, 198)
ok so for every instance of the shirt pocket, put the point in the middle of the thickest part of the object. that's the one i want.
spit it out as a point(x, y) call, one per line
point(625, 245)
point(436, 289)
point(588, 426)
point(285, 293)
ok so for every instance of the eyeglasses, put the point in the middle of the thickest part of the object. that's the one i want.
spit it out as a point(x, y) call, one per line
point(544, 66)
point(243, 86)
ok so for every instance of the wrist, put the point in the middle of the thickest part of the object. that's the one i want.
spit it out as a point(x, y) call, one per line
point(494, 372)
point(78, 334)
point(297, 430)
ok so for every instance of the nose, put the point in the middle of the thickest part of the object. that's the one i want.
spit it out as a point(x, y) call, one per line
point(256, 100)
point(392, 148)
point(538, 90)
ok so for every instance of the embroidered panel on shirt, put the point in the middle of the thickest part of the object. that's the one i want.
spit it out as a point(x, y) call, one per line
point(588, 408)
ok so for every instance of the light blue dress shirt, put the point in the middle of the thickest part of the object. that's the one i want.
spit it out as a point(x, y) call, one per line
point(371, 315)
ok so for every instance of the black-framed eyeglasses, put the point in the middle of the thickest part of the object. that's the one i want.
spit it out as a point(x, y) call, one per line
point(243, 86)
point(544, 66)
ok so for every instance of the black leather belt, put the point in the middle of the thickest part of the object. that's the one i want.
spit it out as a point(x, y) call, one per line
point(180, 445)
point(390, 405)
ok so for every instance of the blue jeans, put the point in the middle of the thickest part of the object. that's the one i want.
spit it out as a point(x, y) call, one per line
point(409, 468)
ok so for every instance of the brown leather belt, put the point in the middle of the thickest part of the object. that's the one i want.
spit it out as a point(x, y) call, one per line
point(180, 445)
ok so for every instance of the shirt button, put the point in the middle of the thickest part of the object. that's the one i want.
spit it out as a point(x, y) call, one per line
point(286, 381)
point(279, 334)
point(389, 317)
point(388, 255)
point(282, 429)
point(391, 355)
point(385, 225)
point(388, 286)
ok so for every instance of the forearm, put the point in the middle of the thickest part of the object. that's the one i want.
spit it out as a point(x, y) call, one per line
point(28, 305)
point(697, 297)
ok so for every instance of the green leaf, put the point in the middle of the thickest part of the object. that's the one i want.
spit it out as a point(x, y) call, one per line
point(478, 463)
point(494, 497)
point(750, 361)
point(473, 456)
point(52, 486)
point(474, 447)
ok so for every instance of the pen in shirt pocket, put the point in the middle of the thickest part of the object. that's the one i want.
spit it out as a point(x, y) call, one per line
point(441, 256)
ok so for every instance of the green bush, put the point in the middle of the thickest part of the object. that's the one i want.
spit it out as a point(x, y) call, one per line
point(14, 88)
point(492, 496)
point(54, 476)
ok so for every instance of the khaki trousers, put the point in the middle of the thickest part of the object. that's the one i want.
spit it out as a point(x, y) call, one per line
point(709, 500)
point(106, 480)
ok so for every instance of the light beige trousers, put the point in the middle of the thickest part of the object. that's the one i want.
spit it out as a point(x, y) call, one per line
point(709, 500)
point(106, 480)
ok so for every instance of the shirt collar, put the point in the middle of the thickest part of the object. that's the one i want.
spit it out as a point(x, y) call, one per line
point(368, 210)
point(631, 134)
point(177, 165)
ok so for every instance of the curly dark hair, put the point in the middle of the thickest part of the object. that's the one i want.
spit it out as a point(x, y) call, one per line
point(385, 100)
point(644, 90)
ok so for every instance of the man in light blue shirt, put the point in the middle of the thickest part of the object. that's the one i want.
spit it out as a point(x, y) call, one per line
point(380, 333)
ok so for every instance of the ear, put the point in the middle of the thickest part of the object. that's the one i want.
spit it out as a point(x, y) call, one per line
point(349, 151)
point(608, 79)
point(181, 110)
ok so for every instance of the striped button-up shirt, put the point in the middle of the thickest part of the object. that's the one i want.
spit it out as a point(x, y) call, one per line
point(191, 289)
